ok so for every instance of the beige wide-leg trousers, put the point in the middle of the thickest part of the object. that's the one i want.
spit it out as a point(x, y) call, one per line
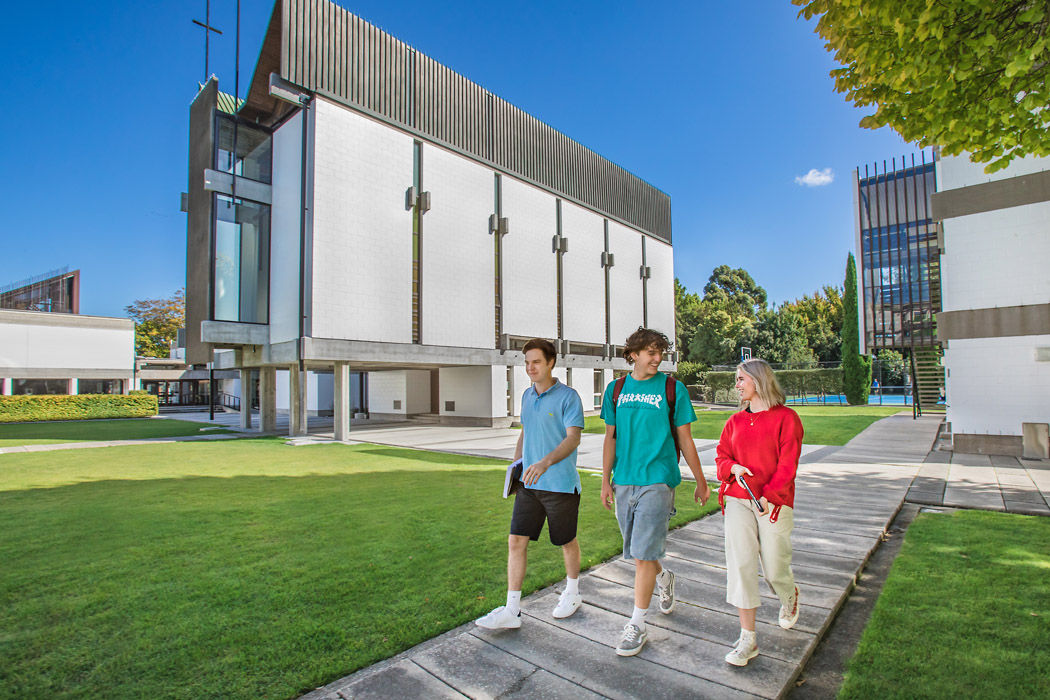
point(750, 537)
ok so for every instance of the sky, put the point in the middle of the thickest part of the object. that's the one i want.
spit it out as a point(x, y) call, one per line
point(726, 106)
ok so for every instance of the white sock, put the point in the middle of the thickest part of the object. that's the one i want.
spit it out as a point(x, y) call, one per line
point(514, 601)
point(638, 618)
point(748, 637)
point(663, 578)
point(572, 586)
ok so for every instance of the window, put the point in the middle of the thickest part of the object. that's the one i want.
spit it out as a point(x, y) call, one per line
point(254, 151)
point(242, 261)
point(99, 386)
point(39, 386)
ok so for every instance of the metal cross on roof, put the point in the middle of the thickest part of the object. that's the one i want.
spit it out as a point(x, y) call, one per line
point(208, 29)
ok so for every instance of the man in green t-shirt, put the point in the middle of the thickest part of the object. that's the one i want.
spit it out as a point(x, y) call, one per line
point(640, 464)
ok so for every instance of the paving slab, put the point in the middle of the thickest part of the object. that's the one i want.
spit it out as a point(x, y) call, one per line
point(404, 679)
point(1027, 508)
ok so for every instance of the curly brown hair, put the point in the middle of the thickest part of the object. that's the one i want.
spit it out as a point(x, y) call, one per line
point(644, 338)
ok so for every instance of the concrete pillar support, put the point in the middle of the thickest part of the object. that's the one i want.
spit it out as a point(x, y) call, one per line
point(297, 401)
point(268, 399)
point(246, 399)
point(74, 387)
point(6, 386)
point(341, 401)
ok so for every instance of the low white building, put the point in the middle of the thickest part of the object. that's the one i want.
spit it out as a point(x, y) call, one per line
point(995, 323)
point(62, 353)
point(370, 216)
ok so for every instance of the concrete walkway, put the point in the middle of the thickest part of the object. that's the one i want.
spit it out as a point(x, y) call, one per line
point(843, 508)
point(987, 482)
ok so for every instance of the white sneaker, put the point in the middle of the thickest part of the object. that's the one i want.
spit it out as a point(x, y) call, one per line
point(568, 603)
point(500, 619)
point(788, 618)
point(744, 651)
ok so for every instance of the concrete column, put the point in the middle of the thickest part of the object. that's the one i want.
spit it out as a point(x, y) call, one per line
point(6, 386)
point(296, 401)
point(74, 386)
point(268, 399)
point(341, 401)
point(246, 399)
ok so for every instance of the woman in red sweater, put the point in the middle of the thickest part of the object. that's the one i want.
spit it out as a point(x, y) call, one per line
point(761, 444)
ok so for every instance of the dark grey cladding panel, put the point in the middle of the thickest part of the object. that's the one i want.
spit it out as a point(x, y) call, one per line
point(990, 196)
point(997, 322)
point(328, 50)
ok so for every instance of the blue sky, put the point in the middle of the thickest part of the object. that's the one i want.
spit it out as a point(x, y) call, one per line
point(721, 105)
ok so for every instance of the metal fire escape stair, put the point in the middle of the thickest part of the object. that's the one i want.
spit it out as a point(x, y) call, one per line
point(929, 379)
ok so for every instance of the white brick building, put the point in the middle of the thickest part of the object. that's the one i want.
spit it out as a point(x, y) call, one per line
point(995, 322)
point(376, 213)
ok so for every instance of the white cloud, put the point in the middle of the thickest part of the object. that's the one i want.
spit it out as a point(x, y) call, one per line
point(816, 178)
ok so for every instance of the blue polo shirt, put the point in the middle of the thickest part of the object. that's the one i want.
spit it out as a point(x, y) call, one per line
point(544, 420)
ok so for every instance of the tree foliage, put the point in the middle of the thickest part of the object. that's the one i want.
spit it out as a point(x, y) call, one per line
point(733, 313)
point(157, 322)
point(856, 368)
point(959, 74)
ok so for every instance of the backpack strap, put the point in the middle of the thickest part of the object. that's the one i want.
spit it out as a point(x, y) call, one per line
point(617, 388)
point(671, 391)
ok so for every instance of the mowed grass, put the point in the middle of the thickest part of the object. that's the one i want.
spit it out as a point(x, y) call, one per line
point(965, 612)
point(12, 434)
point(248, 568)
point(823, 425)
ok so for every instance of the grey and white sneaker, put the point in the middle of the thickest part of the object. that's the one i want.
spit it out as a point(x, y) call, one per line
point(632, 641)
point(500, 619)
point(746, 649)
point(667, 599)
point(788, 617)
point(568, 603)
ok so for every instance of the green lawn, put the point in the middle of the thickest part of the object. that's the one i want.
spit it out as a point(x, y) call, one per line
point(248, 568)
point(965, 612)
point(824, 425)
point(85, 430)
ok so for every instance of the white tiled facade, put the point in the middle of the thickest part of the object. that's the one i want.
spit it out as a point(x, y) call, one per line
point(660, 291)
point(362, 234)
point(583, 277)
point(626, 282)
point(285, 216)
point(530, 284)
point(995, 259)
point(458, 252)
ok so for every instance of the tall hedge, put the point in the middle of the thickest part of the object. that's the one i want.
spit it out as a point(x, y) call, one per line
point(42, 407)
point(856, 368)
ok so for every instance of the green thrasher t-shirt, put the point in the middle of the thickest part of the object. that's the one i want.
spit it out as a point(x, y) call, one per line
point(645, 451)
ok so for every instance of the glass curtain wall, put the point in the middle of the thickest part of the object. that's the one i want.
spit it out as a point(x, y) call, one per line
point(242, 260)
point(900, 259)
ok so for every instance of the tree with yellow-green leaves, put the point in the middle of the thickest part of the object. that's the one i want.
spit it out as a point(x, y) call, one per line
point(965, 75)
point(157, 322)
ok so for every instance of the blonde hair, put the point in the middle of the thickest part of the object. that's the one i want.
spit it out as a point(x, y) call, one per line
point(766, 385)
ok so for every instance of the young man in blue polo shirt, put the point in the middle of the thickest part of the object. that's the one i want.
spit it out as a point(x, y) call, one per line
point(640, 466)
point(551, 423)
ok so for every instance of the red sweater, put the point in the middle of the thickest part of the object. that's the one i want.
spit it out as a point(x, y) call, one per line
point(768, 443)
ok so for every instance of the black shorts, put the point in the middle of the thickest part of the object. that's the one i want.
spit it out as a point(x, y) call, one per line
point(532, 507)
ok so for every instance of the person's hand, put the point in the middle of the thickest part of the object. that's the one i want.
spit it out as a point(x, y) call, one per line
point(740, 470)
point(533, 473)
point(765, 505)
point(607, 495)
point(702, 492)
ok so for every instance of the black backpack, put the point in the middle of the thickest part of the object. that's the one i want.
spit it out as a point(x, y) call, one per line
point(670, 390)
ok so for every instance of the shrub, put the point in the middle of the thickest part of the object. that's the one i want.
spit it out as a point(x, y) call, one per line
point(689, 372)
point(43, 407)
